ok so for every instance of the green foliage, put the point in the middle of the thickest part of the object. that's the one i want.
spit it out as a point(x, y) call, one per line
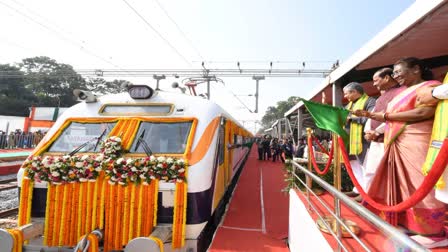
point(42, 81)
point(293, 182)
point(274, 113)
point(51, 81)
point(101, 86)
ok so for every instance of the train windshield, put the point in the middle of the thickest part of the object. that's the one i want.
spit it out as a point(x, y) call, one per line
point(162, 137)
point(83, 136)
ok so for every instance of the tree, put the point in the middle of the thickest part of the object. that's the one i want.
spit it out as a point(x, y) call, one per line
point(52, 82)
point(15, 99)
point(101, 86)
point(275, 113)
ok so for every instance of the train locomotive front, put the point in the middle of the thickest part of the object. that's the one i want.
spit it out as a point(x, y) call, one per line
point(132, 171)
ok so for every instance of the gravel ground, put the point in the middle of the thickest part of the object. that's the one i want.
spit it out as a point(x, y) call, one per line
point(9, 198)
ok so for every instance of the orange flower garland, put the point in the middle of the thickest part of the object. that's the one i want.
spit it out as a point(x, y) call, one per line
point(158, 241)
point(123, 212)
point(58, 212)
point(74, 214)
point(17, 237)
point(65, 206)
point(26, 197)
point(93, 243)
point(126, 212)
point(179, 218)
point(132, 212)
point(49, 217)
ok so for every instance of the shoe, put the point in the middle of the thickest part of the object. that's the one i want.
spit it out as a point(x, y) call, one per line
point(351, 194)
point(358, 198)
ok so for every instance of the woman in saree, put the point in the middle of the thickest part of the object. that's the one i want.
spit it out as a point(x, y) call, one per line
point(407, 137)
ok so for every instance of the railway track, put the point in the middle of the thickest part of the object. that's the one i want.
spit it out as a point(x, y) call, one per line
point(9, 212)
point(8, 184)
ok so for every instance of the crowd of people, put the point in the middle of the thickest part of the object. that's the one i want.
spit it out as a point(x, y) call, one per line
point(271, 147)
point(20, 139)
point(389, 141)
point(389, 138)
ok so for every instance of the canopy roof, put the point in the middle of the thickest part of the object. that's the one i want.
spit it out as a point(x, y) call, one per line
point(420, 31)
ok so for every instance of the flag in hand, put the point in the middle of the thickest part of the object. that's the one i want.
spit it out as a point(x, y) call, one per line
point(328, 117)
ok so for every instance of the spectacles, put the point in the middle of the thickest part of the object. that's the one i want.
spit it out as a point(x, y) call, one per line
point(397, 72)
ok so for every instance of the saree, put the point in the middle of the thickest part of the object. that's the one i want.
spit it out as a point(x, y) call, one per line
point(399, 173)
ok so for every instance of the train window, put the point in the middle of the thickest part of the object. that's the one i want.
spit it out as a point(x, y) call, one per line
point(222, 143)
point(162, 137)
point(239, 140)
point(134, 109)
point(77, 134)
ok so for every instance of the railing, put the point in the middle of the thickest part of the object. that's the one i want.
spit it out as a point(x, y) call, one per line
point(16, 141)
point(402, 241)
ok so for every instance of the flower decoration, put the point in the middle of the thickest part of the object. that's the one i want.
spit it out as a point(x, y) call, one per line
point(85, 167)
point(69, 169)
point(144, 170)
point(111, 147)
point(169, 169)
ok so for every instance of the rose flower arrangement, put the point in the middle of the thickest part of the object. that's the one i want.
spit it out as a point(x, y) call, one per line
point(81, 168)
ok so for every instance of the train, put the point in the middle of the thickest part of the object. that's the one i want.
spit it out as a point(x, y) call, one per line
point(138, 169)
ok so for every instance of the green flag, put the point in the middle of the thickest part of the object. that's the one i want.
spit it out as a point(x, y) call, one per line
point(328, 117)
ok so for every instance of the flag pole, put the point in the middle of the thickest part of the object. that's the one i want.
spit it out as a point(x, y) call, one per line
point(309, 181)
point(337, 182)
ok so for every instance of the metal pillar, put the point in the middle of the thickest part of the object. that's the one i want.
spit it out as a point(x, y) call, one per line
point(257, 79)
point(299, 124)
point(208, 88)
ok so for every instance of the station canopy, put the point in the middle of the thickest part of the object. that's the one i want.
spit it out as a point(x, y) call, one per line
point(420, 31)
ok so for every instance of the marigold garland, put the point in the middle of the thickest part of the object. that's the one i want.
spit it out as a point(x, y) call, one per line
point(65, 206)
point(155, 201)
point(94, 218)
point(26, 197)
point(158, 241)
point(75, 206)
point(118, 217)
point(58, 211)
point(74, 214)
point(93, 243)
point(126, 212)
point(17, 237)
point(179, 220)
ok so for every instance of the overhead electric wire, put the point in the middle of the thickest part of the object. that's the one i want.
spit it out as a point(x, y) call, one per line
point(61, 36)
point(179, 29)
point(157, 32)
point(230, 91)
point(292, 73)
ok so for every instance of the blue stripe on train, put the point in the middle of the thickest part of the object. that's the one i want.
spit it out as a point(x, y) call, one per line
point(198, 206)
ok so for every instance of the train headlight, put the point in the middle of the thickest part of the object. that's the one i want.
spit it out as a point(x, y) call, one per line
point(140, 91)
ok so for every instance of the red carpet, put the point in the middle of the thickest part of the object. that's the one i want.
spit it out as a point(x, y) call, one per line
point(242, 228)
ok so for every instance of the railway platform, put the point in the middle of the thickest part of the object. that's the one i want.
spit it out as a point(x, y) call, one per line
point(257, 215)
point(11, 159)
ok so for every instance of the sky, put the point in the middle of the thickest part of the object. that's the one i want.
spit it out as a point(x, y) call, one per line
point(180, 34)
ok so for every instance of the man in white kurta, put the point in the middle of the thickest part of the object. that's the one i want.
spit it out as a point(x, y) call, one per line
point(374, 130)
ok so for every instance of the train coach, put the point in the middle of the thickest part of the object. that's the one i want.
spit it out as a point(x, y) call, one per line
point(133, 171)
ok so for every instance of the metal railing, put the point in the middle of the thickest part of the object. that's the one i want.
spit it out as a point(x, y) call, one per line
point(15, 141)
point(401, 241)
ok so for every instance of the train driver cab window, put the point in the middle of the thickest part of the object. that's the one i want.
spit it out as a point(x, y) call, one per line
point(162, 137)
point(86, 136)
